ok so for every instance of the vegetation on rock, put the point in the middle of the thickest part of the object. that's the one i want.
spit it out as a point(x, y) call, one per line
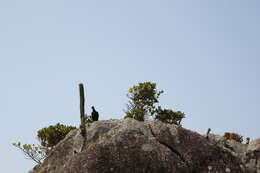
point(169, 116)
point(48, 138)
point(141, 105)
point(233, 136)
point(52, 135)
point(36, 153)
point(143, 98)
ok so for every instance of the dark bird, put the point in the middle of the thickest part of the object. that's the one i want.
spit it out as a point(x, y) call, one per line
point(94, 114)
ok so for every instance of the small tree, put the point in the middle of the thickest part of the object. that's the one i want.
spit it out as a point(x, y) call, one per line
point(142, 100)
point(48, 138)
point(36, 153)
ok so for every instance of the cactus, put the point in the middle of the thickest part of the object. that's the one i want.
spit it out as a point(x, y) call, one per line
point(82, 110)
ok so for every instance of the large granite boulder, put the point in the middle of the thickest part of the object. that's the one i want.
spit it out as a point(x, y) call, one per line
point(130, 146)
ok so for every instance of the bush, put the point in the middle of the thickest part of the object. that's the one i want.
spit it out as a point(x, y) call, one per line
point(169, 116)
point(233, 136)
point(52, 135)
point(48, 138)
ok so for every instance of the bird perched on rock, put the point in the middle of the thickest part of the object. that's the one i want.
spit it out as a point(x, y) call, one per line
point(94, 114)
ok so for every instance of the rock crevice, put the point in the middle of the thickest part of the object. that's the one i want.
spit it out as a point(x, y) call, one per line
point(166, 145)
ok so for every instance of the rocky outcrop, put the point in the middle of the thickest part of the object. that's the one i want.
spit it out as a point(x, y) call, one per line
point(252, 156)
point(249, 154)
point(130, 146)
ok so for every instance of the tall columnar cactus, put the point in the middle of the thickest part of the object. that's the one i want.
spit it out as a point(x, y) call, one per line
point(82, 110)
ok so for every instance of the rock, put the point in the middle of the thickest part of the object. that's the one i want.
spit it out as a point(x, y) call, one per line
point(254, 145)
point(235, 148)
point(252, 156)
point(249, 154)
point(130, 146)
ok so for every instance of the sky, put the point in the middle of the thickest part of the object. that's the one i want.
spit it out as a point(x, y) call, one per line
point(204, 54)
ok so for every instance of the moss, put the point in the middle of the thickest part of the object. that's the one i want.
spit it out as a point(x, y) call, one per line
point(105, 134)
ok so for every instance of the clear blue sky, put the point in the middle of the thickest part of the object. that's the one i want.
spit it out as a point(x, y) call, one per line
point(203, 54)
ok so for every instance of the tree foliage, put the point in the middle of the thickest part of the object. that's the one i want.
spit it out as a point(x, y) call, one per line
point(48, 138)
point(142, 104)
point(142, 100)
point(135, 113)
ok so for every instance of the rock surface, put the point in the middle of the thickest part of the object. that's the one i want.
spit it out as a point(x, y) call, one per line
point(249, 154)
point(130, 146)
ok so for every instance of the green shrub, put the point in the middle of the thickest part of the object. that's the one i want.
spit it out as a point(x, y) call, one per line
point(169, 116)
point(52, 135)
point(48, 138)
